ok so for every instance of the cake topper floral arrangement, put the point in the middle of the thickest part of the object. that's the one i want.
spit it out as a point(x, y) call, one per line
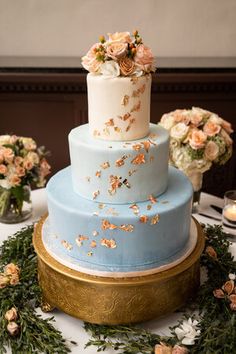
point(198, 139)
point(122, 54)
point(22, 164)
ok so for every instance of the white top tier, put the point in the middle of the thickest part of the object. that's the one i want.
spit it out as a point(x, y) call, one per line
point(119, 108)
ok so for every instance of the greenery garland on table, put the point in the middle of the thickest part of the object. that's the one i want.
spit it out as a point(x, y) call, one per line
point(208, 325)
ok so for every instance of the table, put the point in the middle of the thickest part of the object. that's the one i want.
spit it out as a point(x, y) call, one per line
point(72, 328)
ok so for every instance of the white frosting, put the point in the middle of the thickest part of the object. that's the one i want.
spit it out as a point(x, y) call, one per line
point(119, 108)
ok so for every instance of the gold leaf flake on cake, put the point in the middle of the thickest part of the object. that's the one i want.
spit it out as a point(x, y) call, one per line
point(155, 219)
point(142, 88)
point(105, 165)
point(93, 244)
point(131, 172)
point(79, 240)
point(143, 219)
point(126, 183)
point(151, 158)
point(98, 173)
point(152, 199)
point(110, 122)
point(137, 147)
point(125, 100)
point(134, 80)
point(146, 144)
point(106, 225)
point(108, 243)
point(149, 207)
point(95, 194)
point(106, 131)
point(152, 142)
point(139, 159)
point(101, 205)
point(95, 233)
point(66, 245)
point(135, 208)
point(88, 179)
point(125, 116)
point(136, 107)
point(90, 253)
point(127, 227)
point(117, 129)
point(115, 182)
point(120, 162)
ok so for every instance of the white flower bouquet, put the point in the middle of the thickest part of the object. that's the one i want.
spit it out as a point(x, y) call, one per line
point(121, 54)
point(198, 139)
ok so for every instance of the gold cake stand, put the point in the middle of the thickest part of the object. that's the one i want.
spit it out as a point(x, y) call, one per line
point(105, 300)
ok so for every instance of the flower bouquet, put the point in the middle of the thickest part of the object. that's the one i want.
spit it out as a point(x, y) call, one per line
point(22, 165)
point(198, 139)
point(119, 55)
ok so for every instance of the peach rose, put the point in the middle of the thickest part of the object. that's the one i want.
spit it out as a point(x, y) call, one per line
point(28, 165)
point(13, 328)
point(33, 157)
point(218, 293)
point(13, 139)
point(211, 151)
point(3, 169)
point(228, 287)
point(179, 131)
point(18, 160)
point(8, 154)
point(127, 66)
point(11, 315)
point(29, 144)
point(4, 281)
point(117, 50)
point(227, 139)
point(14, 279)
point(119, 37)
point(211, 128)
point(197, 139)
point(45, 168)
point(177, 349)
point(20, 171)
point(143, 57)
point(196, 119)
point(162, 349)
point(14, 180)
point(181, 116)
point(89, 61)
point(11, 268)
point(227, 126)
point(211, 252)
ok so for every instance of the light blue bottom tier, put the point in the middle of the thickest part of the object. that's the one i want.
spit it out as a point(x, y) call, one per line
point(117, 237)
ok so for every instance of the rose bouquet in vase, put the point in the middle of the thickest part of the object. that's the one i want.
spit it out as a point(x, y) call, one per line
point(198, 139)
point(22, 165)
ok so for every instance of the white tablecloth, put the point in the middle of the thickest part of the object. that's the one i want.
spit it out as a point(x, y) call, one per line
point(72, 328)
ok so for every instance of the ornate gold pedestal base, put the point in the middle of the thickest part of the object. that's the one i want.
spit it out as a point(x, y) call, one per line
point(116, 301)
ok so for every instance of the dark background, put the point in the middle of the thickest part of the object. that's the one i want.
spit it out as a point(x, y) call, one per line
point(46, 102)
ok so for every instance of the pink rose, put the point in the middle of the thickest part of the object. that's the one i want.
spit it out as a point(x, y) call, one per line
point(14, 180)
point(8, 154)
point(33, 157)
point(197, 139)
point(89, 61)
point(144, 57)
point(227, 126)
point(211, 151)
point(3, 170)
point(117, 50)
point(119, 37)
point(211, 128)
point(177, 349)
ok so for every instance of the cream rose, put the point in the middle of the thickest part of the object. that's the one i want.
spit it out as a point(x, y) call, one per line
point(33, 157)
point(211, 128)
point(110, 69)
point(197, 139)
point(11, 315)
point(144, 57)
point(119, 37)
point(167, 121)
point(29, 143)
point(196, 119)
point(179, 131)
point(127, 66)
point(4, 139)
point(214, 118)
point(8, 154)
point(211, 150)
point(116, 50)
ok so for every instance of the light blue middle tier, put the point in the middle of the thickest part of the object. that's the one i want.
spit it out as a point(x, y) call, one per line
point(119, 172)
point(115, 237)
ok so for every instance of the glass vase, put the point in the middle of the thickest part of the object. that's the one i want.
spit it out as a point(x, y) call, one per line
point(196, 180)
point(15, 204)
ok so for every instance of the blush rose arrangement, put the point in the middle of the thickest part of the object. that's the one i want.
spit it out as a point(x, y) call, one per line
point(22, 165)
point(122, 54)
point(198, 139)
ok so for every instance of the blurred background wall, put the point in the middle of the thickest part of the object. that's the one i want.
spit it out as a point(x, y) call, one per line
point(68, 27)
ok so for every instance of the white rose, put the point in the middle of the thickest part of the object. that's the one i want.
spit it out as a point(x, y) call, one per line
point(179, 131)
point(4, 183)
point(188, 331)
point(4, 139)
point(214, 118)
point(167, 121)
point(211, 150)
point(110, 69)
point(180, 158)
